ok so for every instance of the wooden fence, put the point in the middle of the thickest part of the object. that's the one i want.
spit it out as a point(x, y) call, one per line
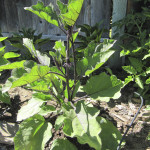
point(13, 17)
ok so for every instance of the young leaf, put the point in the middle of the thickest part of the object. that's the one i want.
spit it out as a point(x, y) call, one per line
point(33, 134)
point(3, 38)
point(103, 87)
point(13, 65)
point(11, 55)
point(74, 8)
point(59, 46)
point(36, 73)
point(130, 70)
point(139, 82)
point(43, 12)
point(108, 131)
point(62, 144)
point(82, 124)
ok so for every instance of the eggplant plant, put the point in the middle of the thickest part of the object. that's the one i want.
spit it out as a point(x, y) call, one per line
point(59, 83)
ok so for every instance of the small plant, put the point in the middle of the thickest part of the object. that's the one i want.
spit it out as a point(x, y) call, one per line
point(136, 48)
point(77, 117)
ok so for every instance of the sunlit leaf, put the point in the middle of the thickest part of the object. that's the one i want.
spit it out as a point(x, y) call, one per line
point(103, 87)
point(62, 144)
point(33, 134)
point(82, 124)
point(36, 73)
point(47, 13)
point(11, 55)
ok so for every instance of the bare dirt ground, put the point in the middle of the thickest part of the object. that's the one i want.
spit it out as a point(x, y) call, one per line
point(120, 112)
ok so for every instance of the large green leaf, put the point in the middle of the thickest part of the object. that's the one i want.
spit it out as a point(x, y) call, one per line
point(74, 8)
point(109, 135)
point(36, 73)
point(103, 87)
point(95, 57)
point(62, 144)
point(17, 64)
point(42, 58)
point(33, 134)
point(33, 107)
point(82, 124)
point(43, 12)
point(4, 97)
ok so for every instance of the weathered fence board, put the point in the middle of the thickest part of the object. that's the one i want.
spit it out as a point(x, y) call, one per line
point(13, 17)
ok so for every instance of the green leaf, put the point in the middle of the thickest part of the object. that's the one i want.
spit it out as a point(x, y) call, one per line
point(103, 87)
point(2, 51)
point(148, 81)
point(62, 144)
point(62, 7)
point(96, 56)
point(137, 64)
point(128, 80)
point(148, 70)
point(11, 55)
point(130, 69)
point(36, 73)
point(29, 44)
point(3, 38)
point(17, 64)
point(4, 97)
point(3, 61)
point(42, 86)
point(60, 47)
point(74, 8)
point(33, 107)
point(109, 135)
point(59, 122)
point(46, 110)
point(33, 134)
point(47, 13)
point(15, 74)
point(82, 124)
point(139, 82)
point(43, 58)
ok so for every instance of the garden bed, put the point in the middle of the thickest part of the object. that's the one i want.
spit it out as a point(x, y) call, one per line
point(120, 112)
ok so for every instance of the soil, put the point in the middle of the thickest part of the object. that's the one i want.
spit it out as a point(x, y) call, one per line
point(120, 112)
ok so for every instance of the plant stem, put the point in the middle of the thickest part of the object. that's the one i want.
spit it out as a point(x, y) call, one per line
point(75, 71)
point(67, 64)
